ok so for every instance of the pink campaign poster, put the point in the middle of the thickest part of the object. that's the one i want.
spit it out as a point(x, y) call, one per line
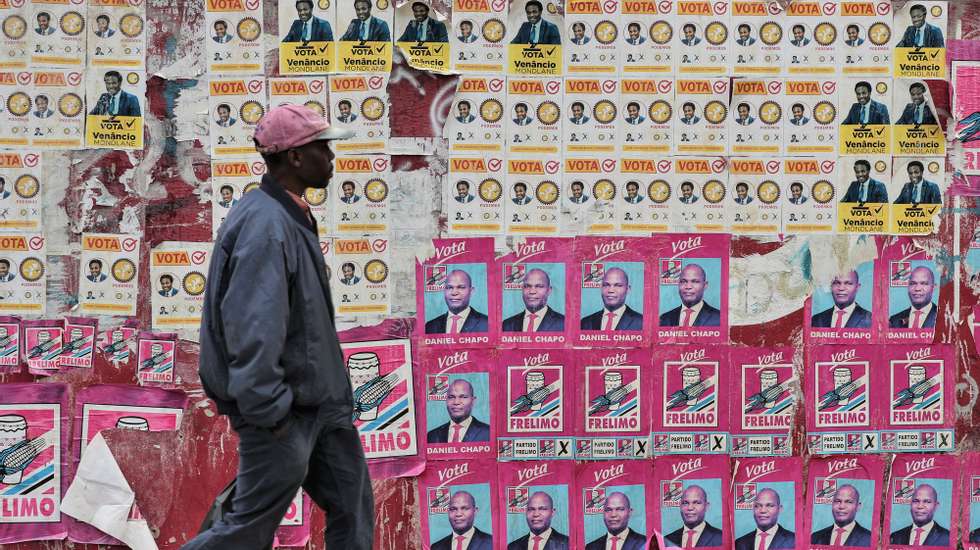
point(34, 443)
point(966, 112)
point(534, 302)
point(115, 342)
point(109, 406)
point(156, 355)
point(615, 397)
point(9, 344)
point(692, 508)
point(609, 286)
point(843, 502)
point(461, 389)
point(294, 529)
point(42, 345)
point(613, 505)
point(768, 498)
point(457, 293)
point(762, 415)
point(536, 502)
point(536, 407)
point(922, 506)
point(911, 292)
point(843, 408)
point(79, 342)
point(970, 487)
point(921, 396)
point(844, 310)
point(382, 376)
point(693, 288)
point(691, 402)
point(459, 503)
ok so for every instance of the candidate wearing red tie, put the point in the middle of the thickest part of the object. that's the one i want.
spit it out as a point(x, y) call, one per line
point(696, 532)
point(460, 317)
point(541, 536)
point(615, 314)
point(462, 426)
point(922, 311)
point(693, 311)
point(768, 533)
point(845, 531)
point(537, 315)
point(846, 312)
point(616, 512)
point(924, 531)
point(464, 536)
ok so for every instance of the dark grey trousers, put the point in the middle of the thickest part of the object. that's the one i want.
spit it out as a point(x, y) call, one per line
point(327, 461)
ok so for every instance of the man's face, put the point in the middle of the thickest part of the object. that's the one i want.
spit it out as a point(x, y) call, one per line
point(539, 513)
point(457, 291)
point(316, 166)
point(798, 111)
point(691, 286)
point(921, 286)
point(226, 194)
point(918, 18)
point(633, 111)
point(420, 11)
point(863, 94)
point(533, 13)
point(577, 190)
point(466, 29)
point(688, 32)
point(631, 190)
point(844, 289)
point(462, 190)
point(348, 188)
point(615, 287)
point(687, 191)
point(693, 506)
point(743, 32)
point(798, 33)
point(112, 84)
point(845, 505)
point(348, 271)
point(166, 284)
point(4, 270)
point(94, 269)
point(363, 10)
point(577, 111)
point(579, 31)
point(917, 94)
point(796, 191)
point(43, 21)
point(461, 513)
point(521, 111)
point(743, 111)
point(616, 513)
point(459, 401)
point(915, 173)
point(224, 114)
point(689, 111)
point(742, 191)
point(766, 510)
point(220, 29)
point(536, 290)
point(464, 109)
point(924, 503)
point(634, 31)
point(852, 33)
point(103, 24)
point(304, 10)
point(861, 172)
point(42, 105)
point(520, 191)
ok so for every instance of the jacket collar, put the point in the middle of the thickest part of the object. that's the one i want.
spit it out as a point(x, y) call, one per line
point(276, 191)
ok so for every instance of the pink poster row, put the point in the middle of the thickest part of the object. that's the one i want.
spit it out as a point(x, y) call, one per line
point(901, 501)
point(635, 292)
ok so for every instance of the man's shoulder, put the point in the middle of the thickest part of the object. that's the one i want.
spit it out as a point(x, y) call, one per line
point(746, 541)
point(902, 534)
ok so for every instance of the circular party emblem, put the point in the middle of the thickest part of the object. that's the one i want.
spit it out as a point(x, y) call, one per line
point(316, 107)
point(491, 110)
point(490, 190)
point(32, 269)
point(660, 111)
point(824, 112)
point(314, 197)
point(493, 31)
point(248, 29)
point(70, 105)
point(716, 33)
point(715, 112)
point(822, 191)
point(604, 190)
point(713, 191)
point(376, 190)
point(548, 112)
point(879, 34)
point(194, 283)
point(770, 33)
point(251, 112)
point(131, 25)
point(770, 112)
point(768, 192)
point(14, 27)
point(376, 271)
point(72, 23)
point(661, 32)
point(123, 270)
point(373, 108)
point(604, 111)
point(546, 192)
point(19, 103)
point(27, 186)
point(659, 191)
point(825, 34)
point(606, 32)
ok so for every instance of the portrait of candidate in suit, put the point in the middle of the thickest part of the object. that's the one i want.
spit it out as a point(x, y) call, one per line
point(617, 511)
point(464, 424)
point(463, 515)
point(536, 30)
point(917, 111)
point(619, 302)
point(366, 27)
point(541, 533)
point(115, 101)
point(920, 34)
point(308, 27)
point(531, 309)
point(866, 110)
point(863, 188)
point(847, 512)
point(918, 190)
point(767, 532)
point(926, 527)
point(696, 531)
point(457, 313)
point(916, 302)
point(843, 298)
point(423, 28)
point(688, 303)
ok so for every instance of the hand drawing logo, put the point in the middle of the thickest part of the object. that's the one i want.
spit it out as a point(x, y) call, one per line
point(583, 448)
point(438, 500)
point(690, 394)
point(435, 277)
point(370, 387)
point(903, 491)
point(670, 271)
point(80, 341)
point(594, 499)
point(670, 493)
point(380, 373)
point(592, 273)
point(899, 274)
point(43, 343)
point(535, 398)
point(824, 490)
point(917, 392)
point(744, 496)
point(767, 399)
point(613, 403)
point(514, 276)
point(842, 394)
point(156, 360)
point(547, 448)
point(975, 489)
point(517, 498)
point(30, 472)
point(437, 388)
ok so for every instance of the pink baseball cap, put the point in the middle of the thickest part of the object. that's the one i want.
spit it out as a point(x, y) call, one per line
point(290, 126)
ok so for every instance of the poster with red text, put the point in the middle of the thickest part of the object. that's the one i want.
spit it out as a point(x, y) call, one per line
point(843, 501)
point(923, 500)
point(536, 502)
point(921, 398)
point(843, 408)
point(613, 501)
point(693, 288)
point(461, 390)
point(534, 301)
point(691, 401)
point(459, 501)
point(9, 344)
point(615, 396)
point(912, 292)
point(693, 491)
point(970, 485)
point(537, 406)
point(769, 388)
point(842, 310)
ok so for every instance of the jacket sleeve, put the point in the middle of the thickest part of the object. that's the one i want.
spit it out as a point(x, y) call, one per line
point(254, 316)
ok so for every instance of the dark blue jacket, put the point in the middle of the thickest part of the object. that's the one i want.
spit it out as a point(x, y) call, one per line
point(475, 322)
point(377, 33)
point(320, 31)
point(710, 537)
point(932, 37)
point(929, 194)
point(435, 31)
point(269, 344)
point(860, 536)
point(908, 115)
point(877, 114)
point(129, 105)
point(477, 432)
point(547, 34)
point(631, 320)
point(708, 317)
point(860, 318)
point(876, 192)
point(901, 319)
point(634, 541)
point(938, 536)
point(557, 541)
point(783, 539)
point(480, 541)
point(552, 322)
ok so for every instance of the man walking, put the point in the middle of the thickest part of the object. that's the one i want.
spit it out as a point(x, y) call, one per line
point(270, 358)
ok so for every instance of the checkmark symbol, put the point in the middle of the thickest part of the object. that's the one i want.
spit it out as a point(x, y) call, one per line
point(935, 54)
point(381, 48)
point(552, 51)
point(131, 123)
point(323, 49)
point(881, 131)
point(439, 49)
point(877, 210)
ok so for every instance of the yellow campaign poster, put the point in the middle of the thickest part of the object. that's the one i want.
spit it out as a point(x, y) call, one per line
point(867, 103)
point(306, 38)
point(917, 184)
point(365, 47)
point(425, 39)
point(917, 131)
point(536, 41)
point(115, 118)
point(864, 208)
point(921, 50)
